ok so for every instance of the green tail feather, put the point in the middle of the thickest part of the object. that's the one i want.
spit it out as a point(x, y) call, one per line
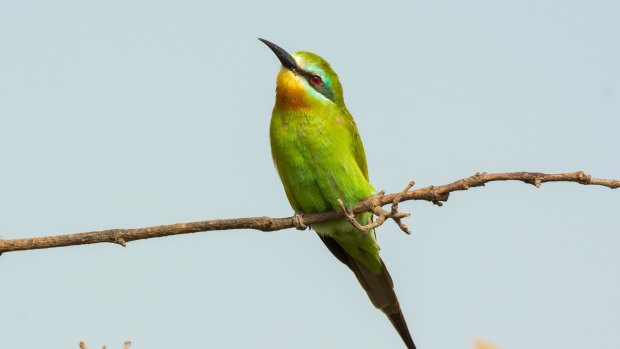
point(362, 247)
point(378, 286)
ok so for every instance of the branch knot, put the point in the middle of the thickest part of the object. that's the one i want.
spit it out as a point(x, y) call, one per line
point(583, 178)
point(118, 238)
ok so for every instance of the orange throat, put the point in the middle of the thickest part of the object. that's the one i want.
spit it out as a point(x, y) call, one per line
point(290, 91)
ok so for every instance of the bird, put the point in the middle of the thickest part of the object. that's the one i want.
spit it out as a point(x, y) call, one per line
point(320, 159)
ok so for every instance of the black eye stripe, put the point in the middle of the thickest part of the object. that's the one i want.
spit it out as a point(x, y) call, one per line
point(321, 88)
point(305, 74)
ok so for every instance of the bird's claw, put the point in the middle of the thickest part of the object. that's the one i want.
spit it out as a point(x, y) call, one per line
point(350, 217)
point(298, 221)
point(377, 210)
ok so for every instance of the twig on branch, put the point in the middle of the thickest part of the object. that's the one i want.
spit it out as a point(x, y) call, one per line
point(434, 194)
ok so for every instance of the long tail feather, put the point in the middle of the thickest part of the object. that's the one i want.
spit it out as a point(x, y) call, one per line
point(379, 287)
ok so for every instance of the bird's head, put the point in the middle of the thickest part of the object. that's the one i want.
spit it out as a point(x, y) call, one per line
point(306, 80)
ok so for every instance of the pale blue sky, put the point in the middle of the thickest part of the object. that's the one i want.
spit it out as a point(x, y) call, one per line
point(137, 113)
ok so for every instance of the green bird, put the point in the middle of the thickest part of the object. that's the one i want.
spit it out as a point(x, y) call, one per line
point(320, 158)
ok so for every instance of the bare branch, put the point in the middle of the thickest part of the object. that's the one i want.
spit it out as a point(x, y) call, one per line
point(435, 194)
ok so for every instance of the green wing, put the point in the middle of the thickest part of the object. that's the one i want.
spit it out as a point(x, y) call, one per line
point(358, 147)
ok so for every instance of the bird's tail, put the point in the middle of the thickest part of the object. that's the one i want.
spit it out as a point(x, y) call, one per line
point(379, 287)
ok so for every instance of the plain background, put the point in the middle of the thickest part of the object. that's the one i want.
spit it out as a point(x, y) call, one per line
point(137, 113)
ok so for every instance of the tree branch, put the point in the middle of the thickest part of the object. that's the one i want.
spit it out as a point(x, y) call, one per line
point(434, 194)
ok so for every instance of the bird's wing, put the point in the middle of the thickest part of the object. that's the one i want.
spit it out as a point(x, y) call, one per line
point(358, 147)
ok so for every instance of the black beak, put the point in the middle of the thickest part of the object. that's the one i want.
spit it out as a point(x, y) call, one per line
point(287, 60)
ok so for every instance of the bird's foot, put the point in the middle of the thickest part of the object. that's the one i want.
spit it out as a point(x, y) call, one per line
point(381, 214)
point(350, 217)
point(298, 221)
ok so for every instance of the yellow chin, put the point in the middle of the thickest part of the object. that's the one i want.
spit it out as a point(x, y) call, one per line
point(291, 91)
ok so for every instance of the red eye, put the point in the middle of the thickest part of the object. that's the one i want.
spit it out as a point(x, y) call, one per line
point(316, 80)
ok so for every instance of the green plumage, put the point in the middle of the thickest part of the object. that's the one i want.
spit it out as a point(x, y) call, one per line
point(320, 158)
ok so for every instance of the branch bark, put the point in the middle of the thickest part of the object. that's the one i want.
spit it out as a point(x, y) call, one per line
point(435, 194)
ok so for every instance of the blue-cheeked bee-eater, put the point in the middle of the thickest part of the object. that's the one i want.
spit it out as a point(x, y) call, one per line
point(320, 158)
